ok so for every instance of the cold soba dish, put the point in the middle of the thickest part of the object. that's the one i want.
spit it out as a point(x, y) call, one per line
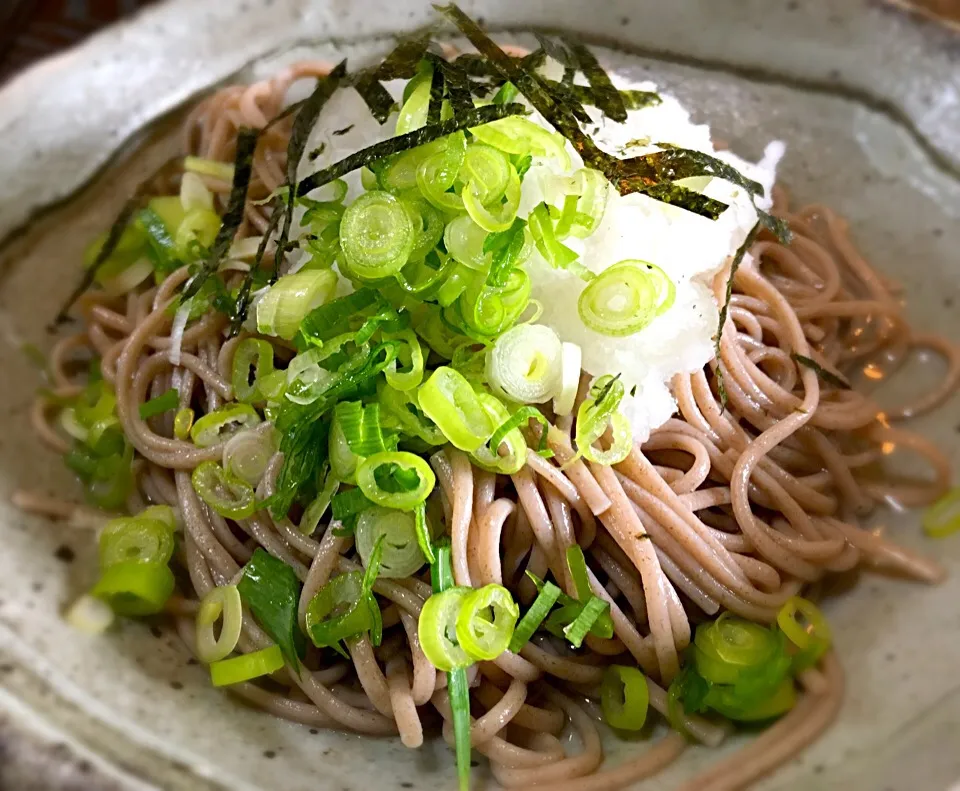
point(478, 394)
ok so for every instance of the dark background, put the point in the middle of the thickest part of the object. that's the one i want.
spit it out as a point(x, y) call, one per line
point(30, 29)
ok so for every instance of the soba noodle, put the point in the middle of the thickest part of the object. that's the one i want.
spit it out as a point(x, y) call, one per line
point(744, 506)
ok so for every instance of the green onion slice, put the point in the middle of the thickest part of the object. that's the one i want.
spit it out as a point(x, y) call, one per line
point(624, 697)
point(437, 172)
point(806, 627)
point(595, 414)
point(246, 667)
point(255, 354)
point(402, 556)
point(214, 427)
point(487, 171)
point(450, 401)
point(523, 136)
point(726, 701)
point(291, 298)
point(162, 403)
point(182, 423)
point(438, 629)
point(247, 454)
point(224, 493)
point(625, 298)
point(396, 479)
point(558, 255)
point(135, 539)
point(943, 517)
point(547, 596)
point(318, 507)
point(376, 235)
point(409, 356)
point(493, 217)
point(728, 647)
point(525, 364)
point(424, 539)
point(464, 240)
point(490, 310)
point(486, 621)
point(341, 609)
point(133, 588)
point(223, 601)
point(509, 454)
point(577, 630)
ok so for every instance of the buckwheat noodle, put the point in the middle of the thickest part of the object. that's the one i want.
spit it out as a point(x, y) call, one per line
point(745, 505)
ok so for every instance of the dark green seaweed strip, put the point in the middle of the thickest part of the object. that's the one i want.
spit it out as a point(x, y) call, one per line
point(675, 195)
point(303, 125)
point(377, 98)
point(560, 52)
point(674, 163)
point(737, 260)
point(436, 96)
point(533, 60)
point(242, 169)
point(777, 226)
point(403, 60)
point(632, 100)
point(531, 87)
point(113, 238)
point(457, 84)
point(605, 97)
point(242, 303)
point(828, 376)
point(393, 145)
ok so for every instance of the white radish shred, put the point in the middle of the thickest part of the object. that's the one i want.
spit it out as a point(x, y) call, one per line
point(176, 332)
point(570, 367)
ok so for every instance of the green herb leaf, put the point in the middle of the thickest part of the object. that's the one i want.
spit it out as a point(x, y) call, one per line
point(162, 403)
point(271, 590)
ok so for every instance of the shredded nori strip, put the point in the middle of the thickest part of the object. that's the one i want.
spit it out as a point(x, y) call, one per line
point(456, 82)
point(605, 97)
point(674, 162)
point(436, 96)
point(394, 145)
point(242, 169)
point(560, 52)
point(632, 99)
point(828, 376)
point(402, 62)
point(684, 198)
point(342, 131)
point(737, 260)
point(242, 303)
point(317, 151)
point(777, 226)
point(117, 228)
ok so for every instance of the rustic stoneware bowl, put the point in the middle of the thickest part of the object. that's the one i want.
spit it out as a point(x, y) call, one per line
point(866, 98)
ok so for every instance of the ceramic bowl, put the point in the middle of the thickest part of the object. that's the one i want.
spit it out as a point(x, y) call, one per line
point(868, 101)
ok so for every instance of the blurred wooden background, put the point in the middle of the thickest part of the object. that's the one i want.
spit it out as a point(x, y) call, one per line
point(31, 29)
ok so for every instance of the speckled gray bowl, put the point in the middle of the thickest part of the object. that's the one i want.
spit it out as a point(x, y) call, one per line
point(868, 101)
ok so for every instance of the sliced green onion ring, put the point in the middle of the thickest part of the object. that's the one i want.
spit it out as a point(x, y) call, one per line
point(625, 298)
point(396, 479)
point(523, 136)
point(401, 551)
point(257, 354)
point(247, 453)
point(182, 423)
point(728, 647)
point(376, 235)
point(450, 401)
point(223, 601)
point(624, 697)
point(221, 424)
point(291, 298)
point(224, 493)
point(132, 588)
point(491, 217)
point(135, 539)
point(511, 452)
point(595, 414)
point(464, 240)
point(806, 627)
point(410, 355)
point(486, 621)
point(438, 629)
point(525, 364)
point(487, 170)
point(246, 667)
point(339, 610)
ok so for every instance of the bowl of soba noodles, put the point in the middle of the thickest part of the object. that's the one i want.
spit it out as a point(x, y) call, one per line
point(482, 396)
